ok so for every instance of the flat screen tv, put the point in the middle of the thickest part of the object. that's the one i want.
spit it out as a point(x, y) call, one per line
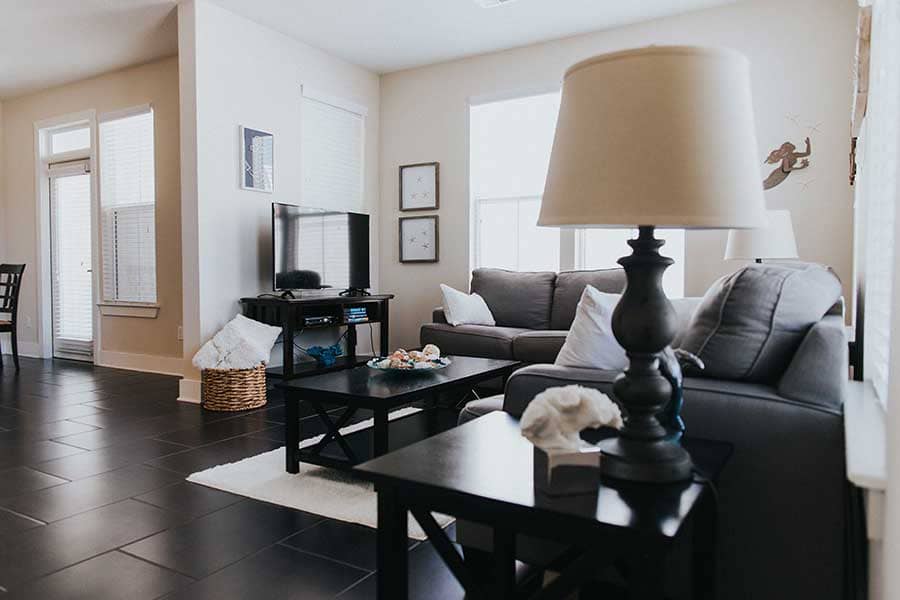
point(316, 249)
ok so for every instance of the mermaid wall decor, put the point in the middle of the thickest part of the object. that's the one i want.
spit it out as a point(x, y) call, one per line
point(786, 157)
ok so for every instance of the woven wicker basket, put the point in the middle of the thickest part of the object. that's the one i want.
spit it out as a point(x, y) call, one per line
point(234, 389)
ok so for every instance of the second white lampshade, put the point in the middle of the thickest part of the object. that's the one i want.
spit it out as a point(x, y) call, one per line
point(662, 136)
point(774, 241)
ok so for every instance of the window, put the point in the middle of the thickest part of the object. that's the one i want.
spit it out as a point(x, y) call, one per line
point(128, 207)
point(510, 144)
point(877, 193)
point(601, 248)
point(70, 139)
point(331, 153)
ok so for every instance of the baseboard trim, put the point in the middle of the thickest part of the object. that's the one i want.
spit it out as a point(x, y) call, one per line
point(147, 363)
point(189, 391)
point(26, 349)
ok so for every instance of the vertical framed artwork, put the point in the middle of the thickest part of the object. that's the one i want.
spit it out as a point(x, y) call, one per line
point(419, 239)
point(420, 186)
point(257, 160)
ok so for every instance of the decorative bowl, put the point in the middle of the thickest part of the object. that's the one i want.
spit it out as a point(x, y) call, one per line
point(433, 365)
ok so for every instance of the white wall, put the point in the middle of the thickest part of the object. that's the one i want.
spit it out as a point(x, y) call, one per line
point(236, 72)
point(800, 66)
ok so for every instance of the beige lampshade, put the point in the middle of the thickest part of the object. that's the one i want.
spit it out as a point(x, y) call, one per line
point(774, 241)
point(656, 136)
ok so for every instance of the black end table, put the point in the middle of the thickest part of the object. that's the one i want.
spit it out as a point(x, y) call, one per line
point(483, 472)
point(377, 391)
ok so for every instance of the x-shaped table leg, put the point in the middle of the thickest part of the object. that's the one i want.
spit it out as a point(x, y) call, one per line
point(334, 431)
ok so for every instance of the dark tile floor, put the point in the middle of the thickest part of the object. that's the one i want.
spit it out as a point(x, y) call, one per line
point(94, 506)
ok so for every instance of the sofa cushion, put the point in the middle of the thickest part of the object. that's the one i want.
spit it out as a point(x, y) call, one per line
point(516, 299)
point(750, 323)
point(471, 340)
point(538, 346)
point(571, 284)
point(480, 407)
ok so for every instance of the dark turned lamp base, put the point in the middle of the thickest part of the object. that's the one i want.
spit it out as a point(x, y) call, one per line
point(644, 323)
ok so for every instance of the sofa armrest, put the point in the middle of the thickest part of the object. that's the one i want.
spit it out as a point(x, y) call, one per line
point(818, 372)
point(526, 383)
point(438, 316)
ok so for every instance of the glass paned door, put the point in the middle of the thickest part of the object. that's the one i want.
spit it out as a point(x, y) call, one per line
point(72, 277)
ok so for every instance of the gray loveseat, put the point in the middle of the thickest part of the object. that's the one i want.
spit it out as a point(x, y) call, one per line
point(533, 312)
point(783, 529)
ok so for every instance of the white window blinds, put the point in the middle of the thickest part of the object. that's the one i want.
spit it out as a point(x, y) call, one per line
point(331, 154)
point(128, 207)
point(878, 192)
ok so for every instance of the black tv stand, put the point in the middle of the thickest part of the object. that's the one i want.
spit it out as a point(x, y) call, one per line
point(287, 295)
point(294, 315)
point(355, 293)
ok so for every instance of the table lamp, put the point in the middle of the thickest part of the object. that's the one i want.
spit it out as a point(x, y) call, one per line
point(647, 138)
point(774, 241)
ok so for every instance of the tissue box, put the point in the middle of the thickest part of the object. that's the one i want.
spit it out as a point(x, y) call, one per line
point(567, 473)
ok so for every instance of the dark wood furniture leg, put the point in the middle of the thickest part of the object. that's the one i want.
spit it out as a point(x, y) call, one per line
point(380, 432)
point(351, 341)
point(287, 341)
point(703, 586)
point(384, 330)
point(392, 577)
point(292, 433)
point(504, 563)
point(646, 574)
point(15, 348)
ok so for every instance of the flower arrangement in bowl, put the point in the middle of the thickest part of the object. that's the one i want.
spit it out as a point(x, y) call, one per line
point(414, 361)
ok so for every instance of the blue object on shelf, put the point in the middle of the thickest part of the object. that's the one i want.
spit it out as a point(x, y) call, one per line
point(325, 355)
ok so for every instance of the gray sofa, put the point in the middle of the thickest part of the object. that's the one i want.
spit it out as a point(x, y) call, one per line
point(784, 527)
point(533, 312)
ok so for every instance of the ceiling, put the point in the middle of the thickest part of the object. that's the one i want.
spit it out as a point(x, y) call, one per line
point(50, 42)
point(390, 35)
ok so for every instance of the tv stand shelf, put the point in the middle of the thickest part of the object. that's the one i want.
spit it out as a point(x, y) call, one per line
point(293, 316)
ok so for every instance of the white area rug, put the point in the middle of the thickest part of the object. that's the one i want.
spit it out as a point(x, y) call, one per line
point(328, 492)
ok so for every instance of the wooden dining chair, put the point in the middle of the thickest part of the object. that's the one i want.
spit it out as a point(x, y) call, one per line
point(10, 285)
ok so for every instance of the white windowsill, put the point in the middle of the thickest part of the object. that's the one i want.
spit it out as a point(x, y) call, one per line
point(865, 442)
point(126, 309)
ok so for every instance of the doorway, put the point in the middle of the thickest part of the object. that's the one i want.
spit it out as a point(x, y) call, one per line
point(71, 260)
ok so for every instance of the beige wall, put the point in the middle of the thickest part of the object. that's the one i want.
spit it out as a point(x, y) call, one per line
point(800, 66)
point(154, 83)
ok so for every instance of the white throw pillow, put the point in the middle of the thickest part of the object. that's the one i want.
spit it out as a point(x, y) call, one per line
point(465, 309)
point(590, 342)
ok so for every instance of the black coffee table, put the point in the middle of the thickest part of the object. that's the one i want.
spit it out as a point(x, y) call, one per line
point(379, 392)
point(483, 472)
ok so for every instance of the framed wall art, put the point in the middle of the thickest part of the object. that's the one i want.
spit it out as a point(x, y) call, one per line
point(420, 186)
point(257, 160)
point(419, 239)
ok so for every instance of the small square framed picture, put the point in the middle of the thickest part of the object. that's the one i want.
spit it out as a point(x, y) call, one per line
point(419, 239)
point(420, 186)
point(257, 160)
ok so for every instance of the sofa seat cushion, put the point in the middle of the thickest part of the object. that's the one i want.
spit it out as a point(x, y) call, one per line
point(471, 340)
point(516, 299)
point(750, 323)
point(538, 346)
point(480, 407)
point(570, 285)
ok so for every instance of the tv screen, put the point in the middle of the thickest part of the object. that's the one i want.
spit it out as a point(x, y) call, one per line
point(316, 249)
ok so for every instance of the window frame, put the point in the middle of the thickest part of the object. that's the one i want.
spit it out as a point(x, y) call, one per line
point(115, 307)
